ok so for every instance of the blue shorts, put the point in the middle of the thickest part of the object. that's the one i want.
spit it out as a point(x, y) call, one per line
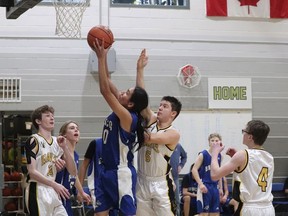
point(210, 201)
point(117, 190)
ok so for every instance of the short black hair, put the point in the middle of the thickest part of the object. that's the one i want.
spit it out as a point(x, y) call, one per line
point(175, 104)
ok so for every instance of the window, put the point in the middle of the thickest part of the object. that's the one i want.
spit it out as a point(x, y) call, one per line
point(181, 4)
point(10, 89)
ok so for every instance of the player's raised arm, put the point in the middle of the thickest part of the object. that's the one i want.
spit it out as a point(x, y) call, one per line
point(142, 61)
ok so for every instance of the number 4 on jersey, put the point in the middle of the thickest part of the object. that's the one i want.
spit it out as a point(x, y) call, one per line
point(262, 179)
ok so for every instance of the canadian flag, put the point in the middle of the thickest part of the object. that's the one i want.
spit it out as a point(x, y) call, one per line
point(248, 8)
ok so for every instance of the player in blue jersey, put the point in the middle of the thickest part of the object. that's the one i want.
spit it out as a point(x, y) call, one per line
point(70, 130)
point(208, 197)
point(92, 164)
point(122, 129)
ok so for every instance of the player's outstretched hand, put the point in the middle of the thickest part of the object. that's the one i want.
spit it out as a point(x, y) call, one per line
point(142, 60)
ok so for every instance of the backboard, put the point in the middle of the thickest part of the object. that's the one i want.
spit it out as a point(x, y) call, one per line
point(15, 8)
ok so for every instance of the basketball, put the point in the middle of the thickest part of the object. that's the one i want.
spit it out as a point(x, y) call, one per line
point(100, 32)
point(10, 206)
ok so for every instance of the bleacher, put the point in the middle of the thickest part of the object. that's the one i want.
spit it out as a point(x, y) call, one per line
point(280, 200)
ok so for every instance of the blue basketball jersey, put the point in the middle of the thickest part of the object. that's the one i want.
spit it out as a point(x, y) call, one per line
point(63, 177)
point(118, 143)
point(94, 153)
point(205, 169)
point(210, 201)
point(117, 185)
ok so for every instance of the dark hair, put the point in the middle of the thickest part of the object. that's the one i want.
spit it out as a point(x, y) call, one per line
point(259, 130)
point(64, 127)
point(37, 114)
point(140, 100)
point(175, 104)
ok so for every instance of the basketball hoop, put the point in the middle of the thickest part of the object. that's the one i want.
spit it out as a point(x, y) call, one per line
point(189, 76)
point(69, 14)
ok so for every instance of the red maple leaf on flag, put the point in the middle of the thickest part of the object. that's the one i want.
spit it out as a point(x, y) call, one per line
point(248, 3)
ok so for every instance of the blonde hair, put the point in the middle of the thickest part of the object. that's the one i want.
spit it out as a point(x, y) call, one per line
point(63, 128)
point(212, 135)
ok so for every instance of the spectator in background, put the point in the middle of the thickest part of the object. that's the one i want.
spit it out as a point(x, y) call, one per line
point(228, 204)
point(286, 186)
point(177, 161)
point(189, 193)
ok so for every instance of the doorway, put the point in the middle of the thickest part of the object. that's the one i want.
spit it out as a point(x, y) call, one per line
point(15, 128)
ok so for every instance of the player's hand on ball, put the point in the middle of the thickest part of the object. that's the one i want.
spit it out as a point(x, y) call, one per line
point(99, 49)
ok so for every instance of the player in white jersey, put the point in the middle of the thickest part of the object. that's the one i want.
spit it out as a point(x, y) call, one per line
point(154, 191)
point(253, 170)
point(43, 151)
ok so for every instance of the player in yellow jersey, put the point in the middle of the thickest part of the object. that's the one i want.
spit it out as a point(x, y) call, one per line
point(253, 170)
point(154, 191)
point(43, 151)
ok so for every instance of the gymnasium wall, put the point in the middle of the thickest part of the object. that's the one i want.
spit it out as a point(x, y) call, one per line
point(55, 70)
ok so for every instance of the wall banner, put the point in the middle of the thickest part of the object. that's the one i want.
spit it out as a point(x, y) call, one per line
point(229, 93)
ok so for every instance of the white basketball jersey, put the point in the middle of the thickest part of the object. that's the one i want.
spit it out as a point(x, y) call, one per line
point(153, 159)
point(46, 155)
point(256, 178)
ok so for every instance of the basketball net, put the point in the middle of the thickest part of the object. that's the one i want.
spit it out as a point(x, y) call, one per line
point(69, 14)
point(189, 76)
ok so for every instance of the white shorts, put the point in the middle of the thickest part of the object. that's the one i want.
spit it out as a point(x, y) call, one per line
point(42, 200)
point(155, 196)
point(266, 209)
